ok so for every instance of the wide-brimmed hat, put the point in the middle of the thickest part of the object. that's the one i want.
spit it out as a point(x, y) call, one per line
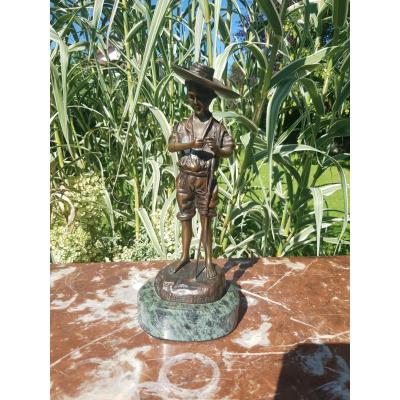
point(204, 75)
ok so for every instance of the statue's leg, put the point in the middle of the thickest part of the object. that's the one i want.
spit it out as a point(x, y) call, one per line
point(185, 199)
point(206, 222)
point(186, 239)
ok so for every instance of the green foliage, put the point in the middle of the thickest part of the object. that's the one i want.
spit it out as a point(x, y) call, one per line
point(112, 176)
point(79, 232)
point(144, 250)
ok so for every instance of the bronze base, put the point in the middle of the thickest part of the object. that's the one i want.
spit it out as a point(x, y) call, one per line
point(183, 287)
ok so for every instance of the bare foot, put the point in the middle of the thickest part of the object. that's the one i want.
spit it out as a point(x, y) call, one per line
point(179, 264)
point(210, 271)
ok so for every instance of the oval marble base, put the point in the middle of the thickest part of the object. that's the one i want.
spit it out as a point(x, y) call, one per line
point(186, 322)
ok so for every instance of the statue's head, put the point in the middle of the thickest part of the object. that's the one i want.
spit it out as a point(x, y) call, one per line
point(199, 97)
point(202, 86)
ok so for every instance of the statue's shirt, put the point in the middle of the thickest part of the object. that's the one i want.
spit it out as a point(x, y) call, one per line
point(198, 160)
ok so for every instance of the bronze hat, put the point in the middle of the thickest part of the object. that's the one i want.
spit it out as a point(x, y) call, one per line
point(204, 75)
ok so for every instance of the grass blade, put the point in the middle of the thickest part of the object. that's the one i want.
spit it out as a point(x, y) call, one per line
point(288, 71)
point(237, 117)
point(198, 34)
point(344, 94)
point(112, 16)
point(273, 17)
point(156, 183)
point(280, 93)
point(318, 211)
point(155, 27)
point(108, 208)
point(144, 216)
point(97, 10)
point(217, 11)
point(317, 100)
point(222, 59)
point(163, 217)
point(340, 9)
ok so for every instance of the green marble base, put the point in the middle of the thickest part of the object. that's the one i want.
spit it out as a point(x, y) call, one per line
point(187, 322)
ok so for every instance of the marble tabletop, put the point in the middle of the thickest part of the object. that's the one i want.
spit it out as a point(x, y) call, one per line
point(291, 342)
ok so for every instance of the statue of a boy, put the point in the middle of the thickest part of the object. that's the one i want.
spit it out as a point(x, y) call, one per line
point(200, 141)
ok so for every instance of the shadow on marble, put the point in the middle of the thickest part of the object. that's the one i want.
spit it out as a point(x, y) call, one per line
point(315, 372)
point(242, 263)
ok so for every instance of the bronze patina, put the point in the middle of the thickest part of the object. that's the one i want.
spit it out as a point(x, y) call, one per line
point(200, 141)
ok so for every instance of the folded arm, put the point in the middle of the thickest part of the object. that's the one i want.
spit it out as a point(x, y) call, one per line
point(174, 146)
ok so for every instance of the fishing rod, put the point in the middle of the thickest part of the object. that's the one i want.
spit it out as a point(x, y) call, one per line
point(204, 229)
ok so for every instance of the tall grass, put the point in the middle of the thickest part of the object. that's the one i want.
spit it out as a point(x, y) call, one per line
point(114, 116)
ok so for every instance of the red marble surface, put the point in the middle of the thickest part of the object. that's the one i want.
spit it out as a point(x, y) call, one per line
point(291, 342)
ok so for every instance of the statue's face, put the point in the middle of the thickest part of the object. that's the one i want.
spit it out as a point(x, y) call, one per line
point(199, 99)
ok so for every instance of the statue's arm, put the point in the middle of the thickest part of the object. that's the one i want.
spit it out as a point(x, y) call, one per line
point(175, 145)
point(173, 141)
point(227, 144)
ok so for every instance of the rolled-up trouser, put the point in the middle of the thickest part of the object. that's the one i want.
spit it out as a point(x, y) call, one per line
point(192, 193)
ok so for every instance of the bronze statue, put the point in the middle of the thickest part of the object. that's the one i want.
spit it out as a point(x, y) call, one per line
point(200, 140)
point(182, 303)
